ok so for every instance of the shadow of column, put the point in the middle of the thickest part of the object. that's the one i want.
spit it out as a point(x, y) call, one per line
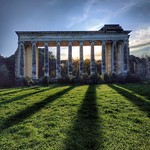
point(141, 103)
point(85, 133)
point(7, 92)
point(16, 98)
point(139, 88)
point(22, 96)
point(27, 112)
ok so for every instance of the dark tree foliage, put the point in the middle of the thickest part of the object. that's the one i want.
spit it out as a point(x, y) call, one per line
point(7, 71)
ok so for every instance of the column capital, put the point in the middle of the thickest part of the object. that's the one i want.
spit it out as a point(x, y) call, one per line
point(33, 42)
point(58, 42)
point(46, 43)
point(21, 42)
point(70, 43)
point(125, 40)
point(114, 41)
point(81, 42)
point(104, 41)
point(92, 42)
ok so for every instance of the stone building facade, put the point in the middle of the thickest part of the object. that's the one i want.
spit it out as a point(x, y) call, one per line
point(113, 39)
point(140, 66)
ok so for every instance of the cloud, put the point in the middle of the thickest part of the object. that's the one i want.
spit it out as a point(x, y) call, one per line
point(126, 6)
point(93, 16)
point(140, 38)
point(84, 16)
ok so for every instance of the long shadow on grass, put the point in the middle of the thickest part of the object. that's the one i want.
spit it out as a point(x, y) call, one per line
point(28, 94)
point(85, 132)
point(142, 104)
point(10, 92)
point(19, 117)
point(22, 96)
point(17, 91)
point(140, 89)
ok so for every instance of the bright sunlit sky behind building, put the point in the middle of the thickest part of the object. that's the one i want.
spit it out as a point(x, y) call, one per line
point(73, 15)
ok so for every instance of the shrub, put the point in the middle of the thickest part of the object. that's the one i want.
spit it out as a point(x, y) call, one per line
point(113, 78)
point(45, 80)
point(27, 81)
point(108, 78)
point(95, 77)
point(121, 78)
point(132, 78)
point(5, 81)
point(82, 78)
point(64, 80)
point(73, 79)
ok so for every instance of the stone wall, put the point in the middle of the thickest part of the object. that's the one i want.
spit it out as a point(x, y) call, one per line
point(140, 66)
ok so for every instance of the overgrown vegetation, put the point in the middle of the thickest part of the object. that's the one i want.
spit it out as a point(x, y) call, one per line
point(115, 116)
point(7, 71)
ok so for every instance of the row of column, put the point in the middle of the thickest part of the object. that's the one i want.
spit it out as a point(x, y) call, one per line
point(114, 47)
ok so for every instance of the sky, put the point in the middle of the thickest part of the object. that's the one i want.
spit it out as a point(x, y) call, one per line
point(73, 15)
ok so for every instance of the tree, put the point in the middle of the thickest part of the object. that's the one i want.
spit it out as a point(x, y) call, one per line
point(4, 76)
point(87, 66)
point(64, 70)
point(10, 63)
point(75, 70)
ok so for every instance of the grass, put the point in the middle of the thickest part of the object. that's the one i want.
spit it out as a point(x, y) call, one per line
point(105, 117)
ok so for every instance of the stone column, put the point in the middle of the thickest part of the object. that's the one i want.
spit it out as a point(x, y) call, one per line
point(92, 65)
point(46, 61)
point(122, 57)
point(125, 54)
point(70, 58)
point(58, 67)
point(103, 57)
point(81, 58)
point(34, 74)
point(114, 57)
point(21, 66)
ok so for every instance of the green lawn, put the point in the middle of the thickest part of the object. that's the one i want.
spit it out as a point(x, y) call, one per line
point(95, 117)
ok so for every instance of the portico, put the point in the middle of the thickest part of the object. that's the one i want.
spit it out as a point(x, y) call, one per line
point(113, 39)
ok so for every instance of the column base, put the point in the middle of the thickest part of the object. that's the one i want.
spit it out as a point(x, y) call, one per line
point(46, 74)
point(80, 72)
point(58, 75)
point(34, 77)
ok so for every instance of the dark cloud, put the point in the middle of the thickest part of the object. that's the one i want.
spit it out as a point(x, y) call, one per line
point(141, 45)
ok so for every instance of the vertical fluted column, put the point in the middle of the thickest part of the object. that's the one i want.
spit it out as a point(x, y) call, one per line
point(81, 58)
point(122, 57)
point(125, 50)
point(34, 74)
point(46, 61)
point(92, 65)
point(114, 62)
point(21, 66)
point(58, 67)
point(70, 58)
point(103, 57)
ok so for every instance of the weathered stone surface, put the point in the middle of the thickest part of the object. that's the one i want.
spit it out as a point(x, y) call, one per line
point(140, 66)
point(112, 62)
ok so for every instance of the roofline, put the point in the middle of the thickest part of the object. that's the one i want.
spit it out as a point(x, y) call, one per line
point(68, 32)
